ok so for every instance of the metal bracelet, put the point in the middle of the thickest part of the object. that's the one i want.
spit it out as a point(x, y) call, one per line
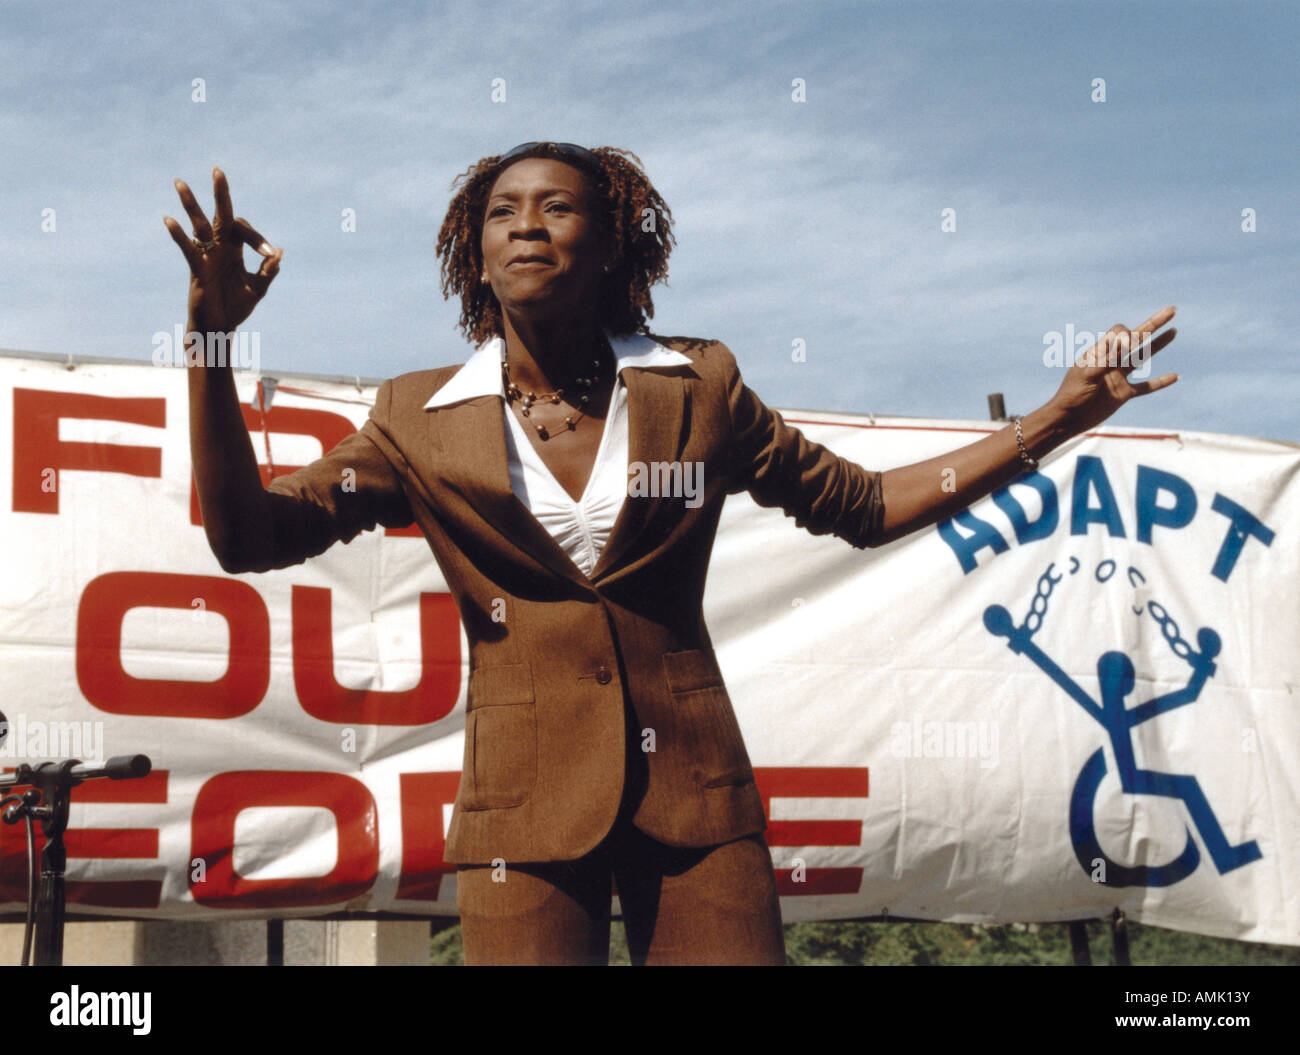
point(1030, 464)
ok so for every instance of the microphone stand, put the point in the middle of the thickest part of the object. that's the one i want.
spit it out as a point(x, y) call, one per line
point(52, 784)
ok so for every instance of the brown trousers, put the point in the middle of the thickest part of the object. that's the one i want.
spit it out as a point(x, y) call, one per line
point(714, 905)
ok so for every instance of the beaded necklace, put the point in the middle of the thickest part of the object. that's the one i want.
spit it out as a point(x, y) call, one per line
point(514, 392)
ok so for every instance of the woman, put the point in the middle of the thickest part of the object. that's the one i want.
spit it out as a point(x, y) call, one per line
point(599, 737)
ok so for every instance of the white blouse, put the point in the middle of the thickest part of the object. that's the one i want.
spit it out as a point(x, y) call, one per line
point(581, 528)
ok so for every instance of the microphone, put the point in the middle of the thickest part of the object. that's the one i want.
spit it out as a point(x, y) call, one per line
point(119, 767)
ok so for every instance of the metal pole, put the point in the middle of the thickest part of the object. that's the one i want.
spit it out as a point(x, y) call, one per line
point(275, 943)
point(1119, 935)
point(1079, 944)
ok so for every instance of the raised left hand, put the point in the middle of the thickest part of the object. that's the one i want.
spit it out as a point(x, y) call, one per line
point(1097, 384)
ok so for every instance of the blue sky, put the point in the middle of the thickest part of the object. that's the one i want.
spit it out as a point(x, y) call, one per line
point(815, 220)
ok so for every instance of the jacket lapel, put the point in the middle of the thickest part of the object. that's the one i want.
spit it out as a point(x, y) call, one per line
point(658, 418)
point(473, 460)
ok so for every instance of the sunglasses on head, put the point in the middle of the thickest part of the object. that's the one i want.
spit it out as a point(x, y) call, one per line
point(570, 150)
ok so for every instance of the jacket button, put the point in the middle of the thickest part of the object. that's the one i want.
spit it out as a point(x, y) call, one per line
point(604, 676)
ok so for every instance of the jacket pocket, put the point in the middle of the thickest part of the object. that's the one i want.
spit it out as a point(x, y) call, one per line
point(704, 733)
point(500, 768)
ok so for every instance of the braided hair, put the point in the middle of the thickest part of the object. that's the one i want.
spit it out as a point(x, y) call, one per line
point(633, 215)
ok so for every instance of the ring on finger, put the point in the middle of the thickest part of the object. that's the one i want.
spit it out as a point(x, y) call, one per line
point(205, 246)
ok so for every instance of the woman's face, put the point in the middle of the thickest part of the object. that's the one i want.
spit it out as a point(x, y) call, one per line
point(543, 250)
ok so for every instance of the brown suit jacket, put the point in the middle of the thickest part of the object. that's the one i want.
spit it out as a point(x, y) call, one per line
point(562, 688)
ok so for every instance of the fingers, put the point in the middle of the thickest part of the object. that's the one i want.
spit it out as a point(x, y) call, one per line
point(1143, 388)
point(183, 240)
point(1124, 340)
point(1107, 351)
point(202, 229)
point(244, 232)
point(225, 213)
point(1118, 341)
point(1141, 355)
point(1118, 345)
point(260, 282)
point(1152, 324)
point(236, 232)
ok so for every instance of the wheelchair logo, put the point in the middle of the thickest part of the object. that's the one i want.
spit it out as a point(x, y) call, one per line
point(1117, 677)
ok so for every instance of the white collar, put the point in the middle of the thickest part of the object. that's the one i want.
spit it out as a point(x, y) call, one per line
point(481, 375)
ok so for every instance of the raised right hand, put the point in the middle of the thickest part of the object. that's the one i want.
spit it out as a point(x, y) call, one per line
point(222, 293)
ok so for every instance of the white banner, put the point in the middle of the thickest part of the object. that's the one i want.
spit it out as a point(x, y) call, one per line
point(1076, 697)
